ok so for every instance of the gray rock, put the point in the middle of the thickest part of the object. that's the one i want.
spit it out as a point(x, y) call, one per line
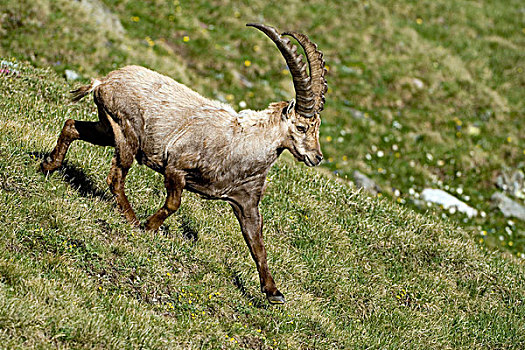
point(102, 15)
point(71, 75)
point(508, 207)
point(512, 183)
point(366, 183)
point(448, 201)
point(357, 114)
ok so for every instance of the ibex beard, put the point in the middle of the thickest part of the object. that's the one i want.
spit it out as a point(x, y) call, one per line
point(203, 145)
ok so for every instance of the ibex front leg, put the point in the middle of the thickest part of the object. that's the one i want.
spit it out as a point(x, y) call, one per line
point(251, 225)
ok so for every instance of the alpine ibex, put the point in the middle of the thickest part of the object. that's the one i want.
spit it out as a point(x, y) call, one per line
point(203, 145)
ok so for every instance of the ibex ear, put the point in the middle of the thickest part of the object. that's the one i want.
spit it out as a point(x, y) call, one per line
point(288, 109)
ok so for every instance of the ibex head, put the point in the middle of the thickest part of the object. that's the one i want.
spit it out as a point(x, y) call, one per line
point(302, 114)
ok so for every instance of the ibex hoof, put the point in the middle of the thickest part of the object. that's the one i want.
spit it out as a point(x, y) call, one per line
point(276, 299)
point(47, 167)
point(149, 226)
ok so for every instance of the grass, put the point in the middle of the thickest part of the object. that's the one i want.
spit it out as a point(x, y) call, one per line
point(422, 93)
point(359, 272)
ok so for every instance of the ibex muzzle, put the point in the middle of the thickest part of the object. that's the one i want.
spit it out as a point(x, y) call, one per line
point(202, 145)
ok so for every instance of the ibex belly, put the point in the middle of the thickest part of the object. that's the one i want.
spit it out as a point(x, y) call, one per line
point(215, 162)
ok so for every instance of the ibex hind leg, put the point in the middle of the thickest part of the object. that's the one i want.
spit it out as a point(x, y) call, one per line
point(126, 147)
point(97, 133)
point(174, 182)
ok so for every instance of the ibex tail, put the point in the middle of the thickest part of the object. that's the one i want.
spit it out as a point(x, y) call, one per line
point(78, 94)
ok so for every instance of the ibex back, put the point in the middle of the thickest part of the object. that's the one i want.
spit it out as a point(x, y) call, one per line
point(202, 145)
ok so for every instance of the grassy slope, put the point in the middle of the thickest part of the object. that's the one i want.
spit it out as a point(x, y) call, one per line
point(457, 132)
point(358, 272)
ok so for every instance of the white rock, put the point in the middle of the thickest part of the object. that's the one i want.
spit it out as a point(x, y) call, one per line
point(71, 75)
point(418, 83)
point(447, 201)
point(508, 207)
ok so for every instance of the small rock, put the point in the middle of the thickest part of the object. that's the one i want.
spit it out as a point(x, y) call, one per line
point(363, 181)
point(412, 83)
point(508, 207)
point(418, 83)
point(352, 70)
point(71, 75)
point(102, 15)
point(357, 114)
point(512, 183)
point(447, 201)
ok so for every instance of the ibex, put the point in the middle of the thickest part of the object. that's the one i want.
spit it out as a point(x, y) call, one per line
point(202, 145)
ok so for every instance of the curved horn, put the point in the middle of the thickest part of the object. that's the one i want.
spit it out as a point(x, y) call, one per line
point(317, 69)
point(303, 87)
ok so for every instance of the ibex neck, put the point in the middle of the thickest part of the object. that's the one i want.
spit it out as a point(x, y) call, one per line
point(264, 129)
point(265, 118)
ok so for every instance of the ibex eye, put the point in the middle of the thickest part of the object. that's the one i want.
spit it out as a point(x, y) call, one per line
point(301, 128)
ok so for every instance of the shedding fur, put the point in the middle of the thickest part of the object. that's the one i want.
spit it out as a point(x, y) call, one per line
point(198, 144)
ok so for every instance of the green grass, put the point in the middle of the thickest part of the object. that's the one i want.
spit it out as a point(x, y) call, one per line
point(358, 272)
point(462, 128)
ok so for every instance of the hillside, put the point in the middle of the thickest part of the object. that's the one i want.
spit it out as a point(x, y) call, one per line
point(358, 272)
point(421, 93)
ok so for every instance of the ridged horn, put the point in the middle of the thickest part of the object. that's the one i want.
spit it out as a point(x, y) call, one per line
point(317, 68)
point(304, 95)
